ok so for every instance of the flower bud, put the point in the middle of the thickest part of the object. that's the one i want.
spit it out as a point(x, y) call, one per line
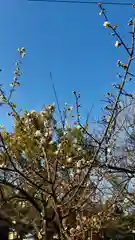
point(117, 44)
point(106, 24)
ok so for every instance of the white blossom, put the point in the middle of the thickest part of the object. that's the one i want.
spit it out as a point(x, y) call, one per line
point(22, 204)
point(55, 237)
point(71, 173)
point(39, 235)
point(46, 134)
point(1, 126)
point(14, 222)
point(2, 164)
point(38, 133)
point(45, 123)
point(11, 236)
point(78, 126)
point(83, 160)
point(101, 13)
point(26, 121)
point(65, 132)
point(69, 160)
point(108, 150)
point(74, 145)
point(125, 200)
point(78, 171)
point(106, 24)
point(84, 218)
point(61, 196)
point(33, 112)
point(56, 152)
point(117, 44)
point(42, 214)
point(43, 140)
point(75, 141)
point(78, 164)
point(28, 114)
point(79, 149)
point(72, 230)
point(78, 228)
point(59, 145)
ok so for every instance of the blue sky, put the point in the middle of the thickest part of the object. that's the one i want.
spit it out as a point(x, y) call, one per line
point(66, 39)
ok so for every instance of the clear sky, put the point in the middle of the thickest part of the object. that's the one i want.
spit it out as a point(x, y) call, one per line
point(67, 39)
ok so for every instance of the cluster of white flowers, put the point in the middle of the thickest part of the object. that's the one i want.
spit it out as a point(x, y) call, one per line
point(81, 162)
point(73, 231)
point(22, 51)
